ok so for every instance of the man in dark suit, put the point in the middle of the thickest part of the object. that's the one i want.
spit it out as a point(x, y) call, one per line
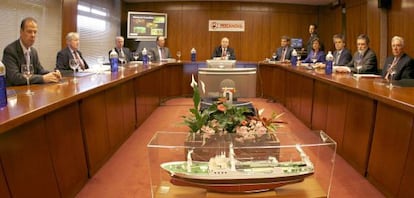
point(284, 52)
point(119, 49)
point(342, 56)
point(21, 52)
point(160, 52)
point(399, 62)
point(70, 52)
point(224, 51)
point(313, 31)
point(364, 57)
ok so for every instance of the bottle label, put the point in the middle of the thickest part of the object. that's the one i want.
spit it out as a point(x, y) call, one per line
point(3, 92)
point(145, 59)
point(193, 57)
point(294, 60)
point(114, 64)
point(328, 68)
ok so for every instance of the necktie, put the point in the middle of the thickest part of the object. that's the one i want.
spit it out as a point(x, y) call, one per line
point(27, 57)
point(283, 54)
point(162, 53)
point(392, 66)
point(79, 60)
point(338, 55)
point(224, 54)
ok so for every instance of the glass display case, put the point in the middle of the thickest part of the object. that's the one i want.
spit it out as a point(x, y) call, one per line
point(280, 164)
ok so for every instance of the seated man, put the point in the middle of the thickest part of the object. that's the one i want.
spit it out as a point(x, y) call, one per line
point(224, 51)
point(21, 52)
point(284, 52)
point(160, 52)
point(120, 49)
point(342, 56)
point(70, 52)
point(364, 60)
point(400, 63)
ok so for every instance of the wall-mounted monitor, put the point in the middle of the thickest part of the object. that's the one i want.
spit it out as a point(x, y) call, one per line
point(146, 26)
point(296, 43)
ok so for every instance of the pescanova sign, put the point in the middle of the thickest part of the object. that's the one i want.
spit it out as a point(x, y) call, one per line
point(226, 25)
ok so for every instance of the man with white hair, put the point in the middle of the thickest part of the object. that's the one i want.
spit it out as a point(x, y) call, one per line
point(400, 65)
point(224, 51)
point(70, 52)
point(120, 49)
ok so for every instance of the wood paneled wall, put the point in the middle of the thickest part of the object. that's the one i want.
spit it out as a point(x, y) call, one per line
point(69, 18)
point(399, 23)
point(265, 23)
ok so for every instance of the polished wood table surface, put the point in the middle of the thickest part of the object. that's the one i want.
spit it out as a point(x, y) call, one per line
point(372, 124)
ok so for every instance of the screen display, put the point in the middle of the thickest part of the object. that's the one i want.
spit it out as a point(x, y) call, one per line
point(296, 42)
point(146, 25)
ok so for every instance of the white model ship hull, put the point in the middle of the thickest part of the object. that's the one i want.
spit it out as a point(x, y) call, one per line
point(252, 177)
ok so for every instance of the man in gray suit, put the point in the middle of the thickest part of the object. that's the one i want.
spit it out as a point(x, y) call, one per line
point(120, 49)
point(160, 53)
point(21, 52)
point(342, 56)
point(284, 52)
point(364, 57)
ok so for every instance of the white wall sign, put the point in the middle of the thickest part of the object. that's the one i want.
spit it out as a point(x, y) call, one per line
point(226, 25)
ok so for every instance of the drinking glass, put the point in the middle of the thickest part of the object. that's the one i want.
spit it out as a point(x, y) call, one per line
point(135, 55)
point(392, 71)
point(74, 64)
point(314, 59)
point(27, 71)
point(100, 61)
point(179, 55)
point(122, 58)
point(149, 58)
point(274, 56)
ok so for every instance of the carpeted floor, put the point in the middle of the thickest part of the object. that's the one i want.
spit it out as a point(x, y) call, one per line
point(127, 175)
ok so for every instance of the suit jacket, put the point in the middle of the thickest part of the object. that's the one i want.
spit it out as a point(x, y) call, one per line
point(279, 53)
point(127, 52)
point(405, 67)
point(13, 58)
point(218, 51)
point(63, 57)
point(344, 59)
point(369, 62)
point(156, 54)
point(320, 57)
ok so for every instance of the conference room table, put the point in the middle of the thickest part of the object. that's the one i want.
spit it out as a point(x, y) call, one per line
point(52, 142)
point(371, 123)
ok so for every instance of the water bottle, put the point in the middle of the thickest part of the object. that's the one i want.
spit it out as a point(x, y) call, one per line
point(329, 62)
point(193, 54)
point(294, 58)
point(145, 56)
point(3, 90)
point(113, 58)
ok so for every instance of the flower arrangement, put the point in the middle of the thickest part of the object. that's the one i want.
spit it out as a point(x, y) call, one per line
point(222, 117)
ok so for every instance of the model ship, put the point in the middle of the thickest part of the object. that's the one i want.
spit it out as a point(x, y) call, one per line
point(227, 174)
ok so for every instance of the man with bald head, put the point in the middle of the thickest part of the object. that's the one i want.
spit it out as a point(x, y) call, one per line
point(22, 52)
point(224, 51)
point(400, 62)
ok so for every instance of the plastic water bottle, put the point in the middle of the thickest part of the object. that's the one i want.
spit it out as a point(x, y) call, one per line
point(193, 54)
point(329, 62)
point(145, 56)
point(294, 58)
point(3, 90)
point(113, 58)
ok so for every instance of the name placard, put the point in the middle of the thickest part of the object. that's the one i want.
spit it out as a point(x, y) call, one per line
point(226, 25)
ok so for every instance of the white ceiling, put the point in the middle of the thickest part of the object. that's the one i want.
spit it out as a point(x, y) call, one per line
point(305, 2)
